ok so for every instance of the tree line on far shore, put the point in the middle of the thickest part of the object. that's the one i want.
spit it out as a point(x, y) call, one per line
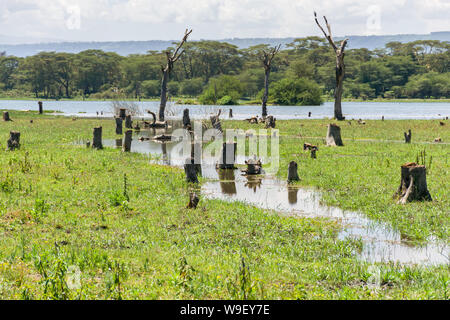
point(214, 72)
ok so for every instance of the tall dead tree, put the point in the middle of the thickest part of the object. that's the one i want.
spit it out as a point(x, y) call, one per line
point(340, 67)
point(267, 57)
point(171, 59)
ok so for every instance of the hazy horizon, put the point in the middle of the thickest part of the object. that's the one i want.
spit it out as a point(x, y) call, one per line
point(144, 20)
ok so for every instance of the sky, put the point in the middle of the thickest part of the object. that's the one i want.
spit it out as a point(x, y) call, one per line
point(120, 20)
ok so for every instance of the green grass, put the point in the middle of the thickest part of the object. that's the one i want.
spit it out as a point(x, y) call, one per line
point(65, 207)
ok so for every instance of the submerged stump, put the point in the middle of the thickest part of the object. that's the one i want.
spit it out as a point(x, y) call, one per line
point(253, 166)
point(230, 113)
point(128, 122)
point(292, 172)
point(407, 136)
point(186, 119)
point(334, 135)
point(228, 156)
point(413, 185)
point(126, 146)
point(122, 113)
point(119, 122)
point(97, 139)
point(41, 109)
point(14, 140)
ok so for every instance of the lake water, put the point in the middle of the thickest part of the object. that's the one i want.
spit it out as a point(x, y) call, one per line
point(381, 243)
point(351, 110)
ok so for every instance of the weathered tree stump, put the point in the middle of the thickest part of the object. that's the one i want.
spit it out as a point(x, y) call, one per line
point(413, 185)
point(270, 122)
point(252, 120)
point(215, 121)
point(228, 156)
point(88, 144)
point(14, 140)
point(437, 139)
point(253, 166)
point(309, 114)
point(97, 139)
point(128, 122)
point(190, 169)
point(382, 118)
point(230, 113)
point(313, 153)
point(292, 172)
point(407, 136)
point(186, 120)
point(41, 109)
point(334, 135)
point(126, 146)
point(119, 142)
point(122, 113)
point(6, 116)
point(119, 122)
point(193, 201)
point(155, 124)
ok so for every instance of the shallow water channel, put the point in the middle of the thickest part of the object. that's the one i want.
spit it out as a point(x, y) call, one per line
point(381, 243)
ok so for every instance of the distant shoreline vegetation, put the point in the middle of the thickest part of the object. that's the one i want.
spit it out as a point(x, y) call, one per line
point(213, 72)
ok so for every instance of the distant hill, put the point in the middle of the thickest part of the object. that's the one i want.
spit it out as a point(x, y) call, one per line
point(125, 48)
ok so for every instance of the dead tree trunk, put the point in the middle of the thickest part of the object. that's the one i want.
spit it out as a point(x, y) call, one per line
point(155, 124)
point(128, 122)
point(126, 146)
point(228, 156)
point(340, 67)
point(311, 148)
point(190, 169)
point(193, 201)
point(171, 59)
point(14, 140)
point(334, 135)
point(267, 58)
point(186, 120)
point(97, 139)
point(119, 122)
point(413, 185)
point(122, 113)
point(270, 122)
point(292, 172)
point(407, 136)
point(6, 116)
point(215, 121)
point(230, 113)
point(41, 109)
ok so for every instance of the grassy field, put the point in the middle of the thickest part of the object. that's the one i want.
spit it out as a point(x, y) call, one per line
point(123, 224)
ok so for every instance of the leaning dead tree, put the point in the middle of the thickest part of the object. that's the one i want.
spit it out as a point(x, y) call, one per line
point(171, 59)
point(267, 57)
point(340, 67)
point(413, 185)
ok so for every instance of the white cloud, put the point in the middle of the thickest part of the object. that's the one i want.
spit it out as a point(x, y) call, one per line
point(163, 19)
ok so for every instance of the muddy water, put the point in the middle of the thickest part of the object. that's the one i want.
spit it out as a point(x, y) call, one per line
point(381, 243)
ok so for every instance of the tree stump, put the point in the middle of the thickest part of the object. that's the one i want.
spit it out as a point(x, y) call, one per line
point(270, 122)
point(190, 169)
point(230, 113)
point(128, 122)
point(97, 139)
point(6, 116)
point(382, 118)
point(407, 136)
point(413, 185)
point(309, 114)
point(292, 172)
point(126, 146)
point(186, 119)
point(215, 121)
point(119, 142)
point(41, 109)
point(119, 122)
point(122, 113)
point(253, 166)
point(228, 155)
point(193, 201)
point(14, 140)
point(313, 153)
point(334, 135)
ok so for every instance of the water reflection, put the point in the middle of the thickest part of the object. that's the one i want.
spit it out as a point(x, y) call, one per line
point(227, 183)
point(292, 194)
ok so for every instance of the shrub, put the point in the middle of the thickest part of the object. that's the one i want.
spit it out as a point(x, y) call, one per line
point(296, 92)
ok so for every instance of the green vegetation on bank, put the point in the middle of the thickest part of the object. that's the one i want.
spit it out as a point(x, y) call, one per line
point(220, 72)
point(118, 226)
